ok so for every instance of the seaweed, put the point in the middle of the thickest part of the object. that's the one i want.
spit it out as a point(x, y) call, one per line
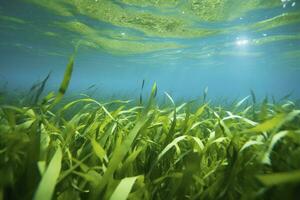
point(117, 150)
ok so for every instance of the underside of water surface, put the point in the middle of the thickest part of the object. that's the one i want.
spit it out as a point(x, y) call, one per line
point(149, 99)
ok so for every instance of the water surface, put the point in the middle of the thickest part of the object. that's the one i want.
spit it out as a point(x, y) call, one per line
point(185, 46)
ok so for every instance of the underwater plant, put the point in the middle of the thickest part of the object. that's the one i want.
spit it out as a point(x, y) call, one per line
point(85, 149)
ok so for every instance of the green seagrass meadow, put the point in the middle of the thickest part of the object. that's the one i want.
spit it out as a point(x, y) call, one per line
point(85, 149)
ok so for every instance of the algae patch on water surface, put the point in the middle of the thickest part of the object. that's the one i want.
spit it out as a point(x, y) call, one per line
point(137, 27)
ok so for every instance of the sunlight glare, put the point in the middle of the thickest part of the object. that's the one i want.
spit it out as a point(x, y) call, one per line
point(242, 42)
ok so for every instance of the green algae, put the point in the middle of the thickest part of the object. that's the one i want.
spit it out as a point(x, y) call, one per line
point(224, 10)
point(131, 26)
point(148, 23)
point(98, 39)
point(136, 27)
point(207, 11)
point(277, 21)
point(275, 38)
point(154, 3)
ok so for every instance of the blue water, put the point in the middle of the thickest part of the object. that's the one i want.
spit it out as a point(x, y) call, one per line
point(229, 63)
